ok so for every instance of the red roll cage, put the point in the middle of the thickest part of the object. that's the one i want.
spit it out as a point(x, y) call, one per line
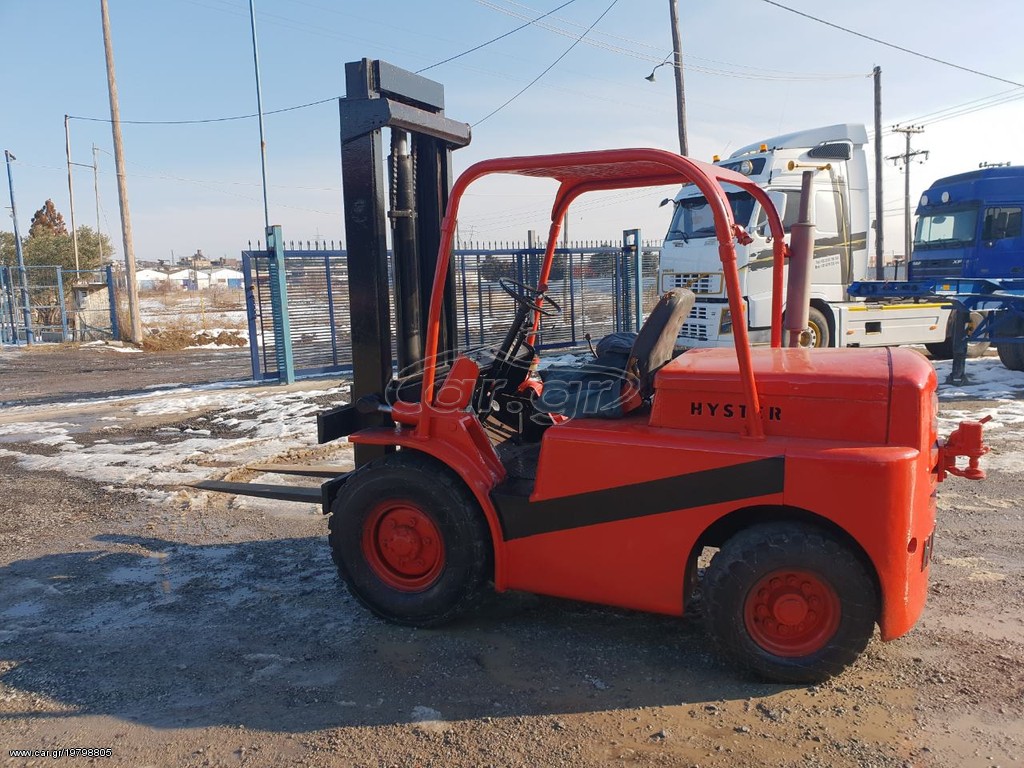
point(580, 172)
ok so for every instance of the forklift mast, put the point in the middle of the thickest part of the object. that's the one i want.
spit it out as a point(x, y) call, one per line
point(380, 95)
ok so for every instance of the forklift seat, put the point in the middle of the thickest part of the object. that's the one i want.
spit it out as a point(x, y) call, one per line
point(616, 381)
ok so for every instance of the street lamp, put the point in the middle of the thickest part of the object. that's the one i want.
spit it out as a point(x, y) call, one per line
point(650, 78)
point(676, 57)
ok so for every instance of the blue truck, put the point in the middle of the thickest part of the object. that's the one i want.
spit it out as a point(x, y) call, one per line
point(969, 250)
point(969, 226)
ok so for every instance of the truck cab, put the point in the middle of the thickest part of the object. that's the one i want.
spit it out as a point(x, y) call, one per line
point(689, 256)
point(969, 226)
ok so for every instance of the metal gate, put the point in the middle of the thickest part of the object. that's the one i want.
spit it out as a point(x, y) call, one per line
point(600, 288)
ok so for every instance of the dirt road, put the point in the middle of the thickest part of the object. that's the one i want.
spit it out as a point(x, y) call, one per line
point(179, 628)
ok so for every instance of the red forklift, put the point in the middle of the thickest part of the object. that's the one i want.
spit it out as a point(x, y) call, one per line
point(811, 473)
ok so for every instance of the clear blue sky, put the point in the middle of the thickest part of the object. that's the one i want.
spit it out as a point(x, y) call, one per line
point(752, 71)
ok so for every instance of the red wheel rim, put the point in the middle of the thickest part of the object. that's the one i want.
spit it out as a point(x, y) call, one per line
point(403, 546)
point(792, 613)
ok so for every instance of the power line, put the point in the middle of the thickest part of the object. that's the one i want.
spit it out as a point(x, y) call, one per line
point(495, 39)
point(206, 120)
point(960, 110)
point(549, 67)
point(893, 45)
point(967, 110)
point(755, 73)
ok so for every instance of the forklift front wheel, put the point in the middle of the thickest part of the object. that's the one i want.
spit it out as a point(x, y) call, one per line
point(790, 602)
point(410, 541)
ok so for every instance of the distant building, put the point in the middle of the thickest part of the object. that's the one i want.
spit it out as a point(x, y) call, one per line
point(232, 278)
point(190, 279)
point(197, 261)
point(149, 279)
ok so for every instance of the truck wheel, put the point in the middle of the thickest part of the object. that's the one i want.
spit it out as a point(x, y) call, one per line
point(410, 541)
point(818, 325)
point(790, 602)
point(1012, 356)
point(943, 350)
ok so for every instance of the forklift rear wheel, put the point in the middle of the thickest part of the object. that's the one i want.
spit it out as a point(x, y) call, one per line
point(410, 541)
point(790, 602)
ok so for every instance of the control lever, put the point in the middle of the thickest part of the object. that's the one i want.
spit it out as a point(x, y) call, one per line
point(589, 344)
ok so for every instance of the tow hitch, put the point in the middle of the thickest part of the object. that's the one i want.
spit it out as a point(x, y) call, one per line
point(965, 440)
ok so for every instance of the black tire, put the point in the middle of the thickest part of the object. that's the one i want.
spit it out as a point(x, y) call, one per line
point(408, 504)
point(759, 629)
point(1012, 356)
point(943, 350)
point(818, 323)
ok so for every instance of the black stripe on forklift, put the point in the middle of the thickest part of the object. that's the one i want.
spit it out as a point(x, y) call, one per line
point(521, 517)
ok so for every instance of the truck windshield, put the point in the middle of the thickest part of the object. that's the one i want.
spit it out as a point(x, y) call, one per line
point(693, 216)
point(946, 229)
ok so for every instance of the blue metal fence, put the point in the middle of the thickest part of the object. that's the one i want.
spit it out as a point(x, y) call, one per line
point(57, 304)
point(601, 288)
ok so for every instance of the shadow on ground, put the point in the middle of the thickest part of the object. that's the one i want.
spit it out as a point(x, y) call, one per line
point(260, 634)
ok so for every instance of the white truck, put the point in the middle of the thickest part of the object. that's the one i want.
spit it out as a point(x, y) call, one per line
point(689, 256)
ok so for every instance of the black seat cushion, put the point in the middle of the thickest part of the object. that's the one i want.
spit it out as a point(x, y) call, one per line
point(592, 389)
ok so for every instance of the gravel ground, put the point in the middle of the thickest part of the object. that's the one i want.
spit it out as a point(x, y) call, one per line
point(200, 630)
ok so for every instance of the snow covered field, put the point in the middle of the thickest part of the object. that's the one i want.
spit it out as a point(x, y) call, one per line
point(158, 440)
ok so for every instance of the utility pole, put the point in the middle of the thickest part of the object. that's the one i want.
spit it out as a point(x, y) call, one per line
point(879, 199)
point(259, 112)
point(71, 192)
point(905, 158)
point(26, 307)
point(96, 191)
point(135, 318)
point(677, 53)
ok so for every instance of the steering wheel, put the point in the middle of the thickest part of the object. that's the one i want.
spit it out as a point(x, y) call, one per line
point(528, 297)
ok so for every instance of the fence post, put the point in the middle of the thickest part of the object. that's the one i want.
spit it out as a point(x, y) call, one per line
point(115, 330)
point(572, 294)
point(279, 303)
point(7, 303)
point(479, 298)
point(63, 304)
point(633, 246)
point(465, 299)
point(330, 309)
point(4, 306)
point(250, 316)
